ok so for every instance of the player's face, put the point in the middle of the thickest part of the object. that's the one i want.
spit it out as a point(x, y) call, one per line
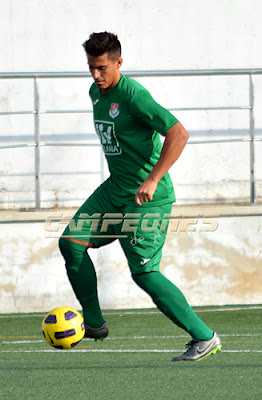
point(105, 71)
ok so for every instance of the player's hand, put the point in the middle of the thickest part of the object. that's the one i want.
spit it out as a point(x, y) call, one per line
point(145, 192)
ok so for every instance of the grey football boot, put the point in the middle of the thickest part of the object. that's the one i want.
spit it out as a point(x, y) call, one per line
point(97, 333)
point(200, 349)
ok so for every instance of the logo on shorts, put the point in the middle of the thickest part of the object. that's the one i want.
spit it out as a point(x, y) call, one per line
point(145, 261)
point(114, 110)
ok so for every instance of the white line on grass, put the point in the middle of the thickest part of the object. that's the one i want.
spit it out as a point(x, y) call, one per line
point(117, 351)
point(21, 315)
point(196, 310)
point(107, 339)
point(120, 313)
point(22, 341)
point(241, 351)
point(129, 338)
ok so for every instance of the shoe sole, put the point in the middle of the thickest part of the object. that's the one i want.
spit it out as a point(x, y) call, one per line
point(212, 352)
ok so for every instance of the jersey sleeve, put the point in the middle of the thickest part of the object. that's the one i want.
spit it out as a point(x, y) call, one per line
point(144, 107)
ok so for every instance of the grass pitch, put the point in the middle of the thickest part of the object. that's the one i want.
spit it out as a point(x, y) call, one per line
point(134, 362)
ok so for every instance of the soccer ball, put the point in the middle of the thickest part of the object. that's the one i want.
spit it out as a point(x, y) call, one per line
point(63, 328)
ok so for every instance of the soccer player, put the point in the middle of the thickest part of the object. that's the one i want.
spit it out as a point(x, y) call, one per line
point(135, 202)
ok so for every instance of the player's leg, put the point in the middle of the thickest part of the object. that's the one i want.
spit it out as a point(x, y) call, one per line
point(170, 300)
point(144, 251)
point(83, 232)
point(82, 276)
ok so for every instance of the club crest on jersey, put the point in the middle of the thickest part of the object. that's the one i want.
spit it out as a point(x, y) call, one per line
point(114, 110)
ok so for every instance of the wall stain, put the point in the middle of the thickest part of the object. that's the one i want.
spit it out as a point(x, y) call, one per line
point(243, 272)
point(39, 254)
point(8, 288)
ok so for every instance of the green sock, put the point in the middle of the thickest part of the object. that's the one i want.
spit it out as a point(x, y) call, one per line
point(82, 276)
point(169, 300)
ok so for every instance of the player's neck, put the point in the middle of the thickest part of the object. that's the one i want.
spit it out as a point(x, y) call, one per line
point(113, 84)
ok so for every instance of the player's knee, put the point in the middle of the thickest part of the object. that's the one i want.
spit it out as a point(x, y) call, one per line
point(144, 279)
point(149, 282)
point(137, 279)
point(63, 246)
point(69, 249)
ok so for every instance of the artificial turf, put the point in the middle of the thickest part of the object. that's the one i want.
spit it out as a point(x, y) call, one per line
point(134, 362)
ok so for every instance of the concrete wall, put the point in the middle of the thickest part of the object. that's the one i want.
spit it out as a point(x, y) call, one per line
point(179, 34)
point(46, 35)
point(213, 254)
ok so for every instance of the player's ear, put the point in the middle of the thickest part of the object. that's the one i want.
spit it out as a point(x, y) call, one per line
point(119, 62)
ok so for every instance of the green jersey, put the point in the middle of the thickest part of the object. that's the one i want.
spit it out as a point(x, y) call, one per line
point(128, 122)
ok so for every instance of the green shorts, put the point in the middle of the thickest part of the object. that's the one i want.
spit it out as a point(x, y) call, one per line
point(140, 230)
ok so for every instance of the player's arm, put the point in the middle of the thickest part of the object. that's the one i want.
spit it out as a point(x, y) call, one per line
point(175, 141)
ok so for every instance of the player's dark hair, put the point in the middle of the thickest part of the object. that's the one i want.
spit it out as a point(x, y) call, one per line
point(101, 43)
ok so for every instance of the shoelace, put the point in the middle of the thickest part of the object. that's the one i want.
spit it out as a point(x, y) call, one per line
point(189, 344)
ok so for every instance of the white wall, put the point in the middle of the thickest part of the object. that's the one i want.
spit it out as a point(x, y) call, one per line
point(47, 35)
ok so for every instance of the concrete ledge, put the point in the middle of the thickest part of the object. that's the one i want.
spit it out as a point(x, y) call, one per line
point(179, 211)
